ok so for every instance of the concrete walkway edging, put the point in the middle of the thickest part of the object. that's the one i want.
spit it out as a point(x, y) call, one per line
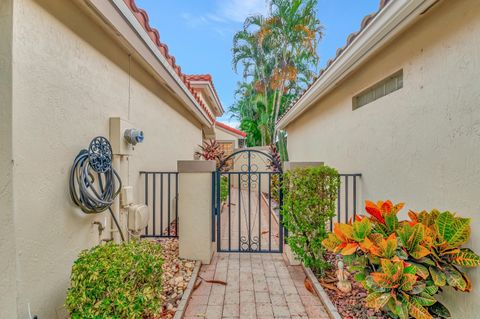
point(180, 313)
point(322, 295)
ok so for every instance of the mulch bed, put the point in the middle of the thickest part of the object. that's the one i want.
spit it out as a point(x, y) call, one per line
point(350, 305)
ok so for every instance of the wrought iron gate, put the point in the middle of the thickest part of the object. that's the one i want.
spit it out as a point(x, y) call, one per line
point(247, 197)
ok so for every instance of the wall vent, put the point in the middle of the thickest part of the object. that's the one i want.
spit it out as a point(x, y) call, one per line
point(391, 84)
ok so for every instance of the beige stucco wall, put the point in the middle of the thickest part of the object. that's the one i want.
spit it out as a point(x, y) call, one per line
point(222, 135)
point(7, 239)
point(69, 77)
point(420, 144)
point(195, 210)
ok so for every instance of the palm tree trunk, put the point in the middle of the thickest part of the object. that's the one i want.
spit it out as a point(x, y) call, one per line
point(277, 110)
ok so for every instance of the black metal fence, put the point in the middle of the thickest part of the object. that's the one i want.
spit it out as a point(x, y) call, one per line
point(347, 201)
point(161, 197)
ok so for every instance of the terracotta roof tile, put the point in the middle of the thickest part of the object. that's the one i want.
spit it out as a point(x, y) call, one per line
point(231, 129)
point(366, 20)
point(153, 33)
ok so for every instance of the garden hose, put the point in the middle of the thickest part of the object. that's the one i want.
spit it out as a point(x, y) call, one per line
point(93, 194)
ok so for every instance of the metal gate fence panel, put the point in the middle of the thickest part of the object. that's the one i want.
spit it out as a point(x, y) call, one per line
point(161, 197)
point(348, 199)
point(247, 203)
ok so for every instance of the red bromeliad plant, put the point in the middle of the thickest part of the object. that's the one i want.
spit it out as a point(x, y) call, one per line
point(275, 163)
point(404, 264)
point(211, 150)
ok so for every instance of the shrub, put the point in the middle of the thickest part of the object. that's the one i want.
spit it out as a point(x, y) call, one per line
point(404, 264)
point(224, 188)
point(309, 203)
point(116, 281)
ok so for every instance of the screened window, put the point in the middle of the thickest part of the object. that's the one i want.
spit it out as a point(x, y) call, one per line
point(382, 88)
point(241, 143)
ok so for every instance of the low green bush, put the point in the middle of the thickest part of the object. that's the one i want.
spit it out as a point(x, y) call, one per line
point(224, 188)
point(309, 201)
point(117, 281)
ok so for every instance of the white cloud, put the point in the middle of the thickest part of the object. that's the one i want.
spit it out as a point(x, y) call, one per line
point(227, 11)
point(238, 10)
point(194, 21)
point(225, 14)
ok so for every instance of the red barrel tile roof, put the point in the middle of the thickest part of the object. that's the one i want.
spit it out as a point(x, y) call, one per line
point(231, 129)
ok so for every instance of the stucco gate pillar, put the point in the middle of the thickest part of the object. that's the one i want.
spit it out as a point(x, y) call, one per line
point(287, 166)
point(195, 210)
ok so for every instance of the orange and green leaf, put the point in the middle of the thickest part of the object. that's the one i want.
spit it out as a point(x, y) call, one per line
point(373, 210)
point(417, 311)
point(377, 300)
point(349, 249)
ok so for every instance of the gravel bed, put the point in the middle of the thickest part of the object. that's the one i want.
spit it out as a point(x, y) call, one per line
point(350, 305)
point(176, 275)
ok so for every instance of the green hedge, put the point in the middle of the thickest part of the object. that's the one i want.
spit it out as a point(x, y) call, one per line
point(224, 188)
point(117, 281)
point(309, 201)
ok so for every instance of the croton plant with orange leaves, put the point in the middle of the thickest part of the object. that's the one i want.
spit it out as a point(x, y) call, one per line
point(404, 264)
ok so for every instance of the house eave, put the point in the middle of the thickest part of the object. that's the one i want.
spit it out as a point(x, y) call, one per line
point(208, 86)
point(395, 17)
point(118, 18)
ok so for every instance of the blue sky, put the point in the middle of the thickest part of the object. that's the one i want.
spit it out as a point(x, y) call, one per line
point(199, 33)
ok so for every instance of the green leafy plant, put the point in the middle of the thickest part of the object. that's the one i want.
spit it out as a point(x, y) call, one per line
point(117, 281)
point(309, 202)
point(428, 246)
point(224, 188)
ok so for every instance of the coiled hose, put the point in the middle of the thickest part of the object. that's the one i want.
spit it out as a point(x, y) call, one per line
point(95, 196)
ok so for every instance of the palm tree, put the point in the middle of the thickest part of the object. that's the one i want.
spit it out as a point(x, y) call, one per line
point(295, 32)
point(278, 55)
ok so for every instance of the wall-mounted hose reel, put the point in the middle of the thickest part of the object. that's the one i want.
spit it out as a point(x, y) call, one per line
point(94, 184)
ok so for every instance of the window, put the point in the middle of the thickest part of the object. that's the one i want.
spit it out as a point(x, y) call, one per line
point(227, 148)
point(384, 87)
point(241, 143)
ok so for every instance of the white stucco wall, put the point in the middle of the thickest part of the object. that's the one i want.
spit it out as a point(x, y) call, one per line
point(69, 77)
point(420, 144)
point(7, 239)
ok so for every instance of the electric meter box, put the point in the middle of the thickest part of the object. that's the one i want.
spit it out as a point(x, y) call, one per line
point(137, 217)
point(118, 127)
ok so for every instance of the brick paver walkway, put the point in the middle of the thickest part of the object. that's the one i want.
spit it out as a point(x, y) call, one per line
point(258, 286)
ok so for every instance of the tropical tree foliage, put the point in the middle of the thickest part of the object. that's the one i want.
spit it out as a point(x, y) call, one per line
point(277, 57)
